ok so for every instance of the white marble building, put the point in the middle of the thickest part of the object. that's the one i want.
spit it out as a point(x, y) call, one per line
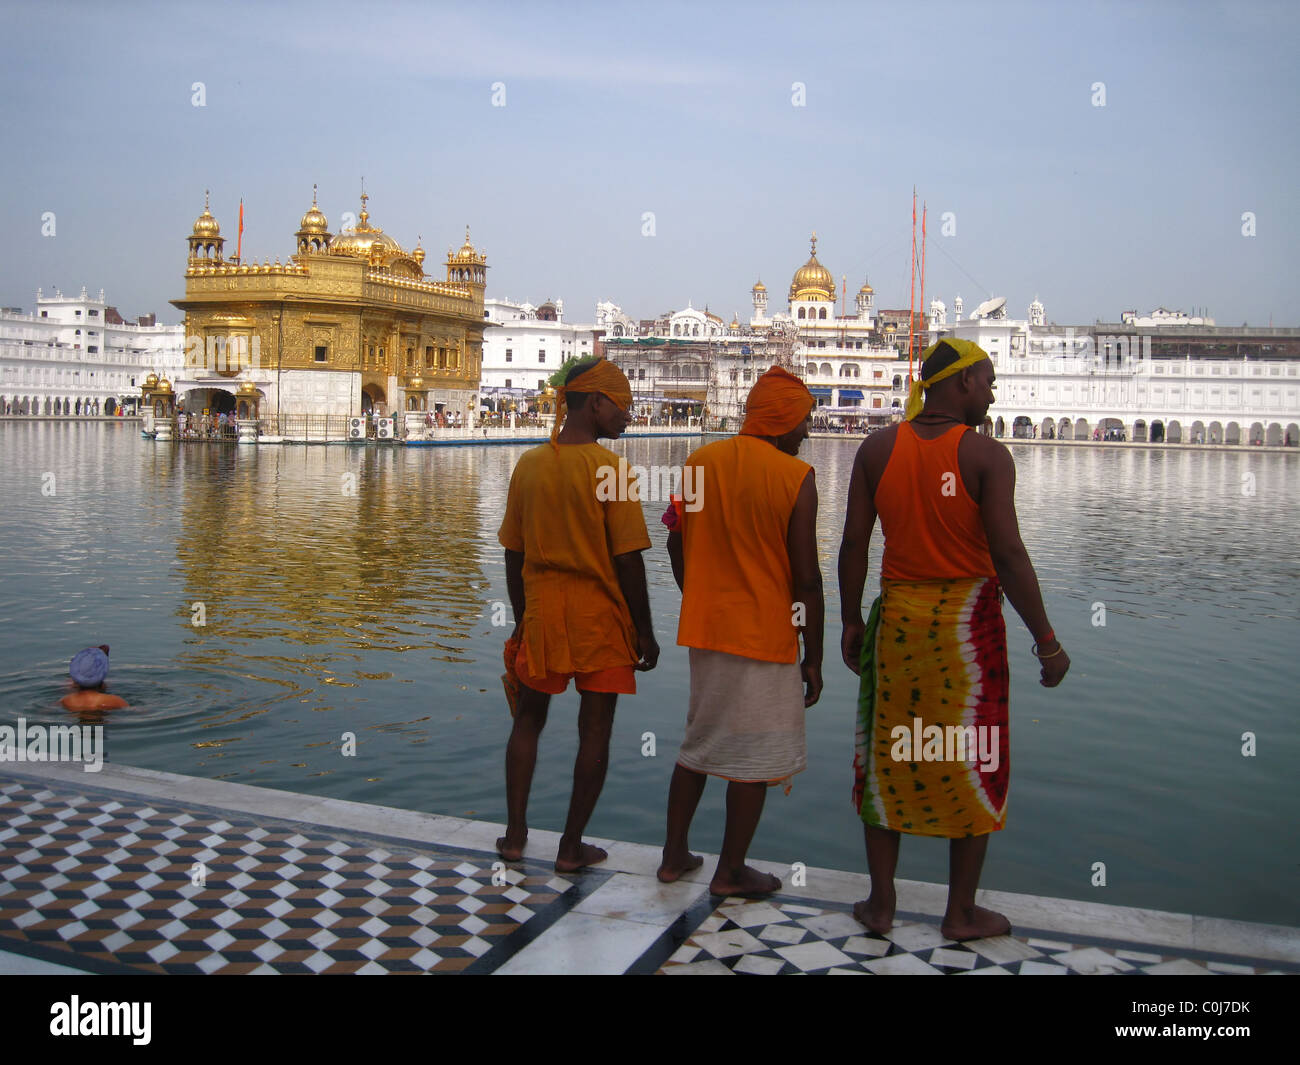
point(524, 345)
point(1188, 382)
point(74, 355)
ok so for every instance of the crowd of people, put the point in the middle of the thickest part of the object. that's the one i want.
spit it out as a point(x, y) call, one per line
point(205, 425)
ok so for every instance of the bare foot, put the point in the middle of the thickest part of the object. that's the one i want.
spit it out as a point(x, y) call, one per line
point(750, 884)
point(975, 922)
point(672, 869)
point(511, 852)
point(874, 916)
point(587, 854)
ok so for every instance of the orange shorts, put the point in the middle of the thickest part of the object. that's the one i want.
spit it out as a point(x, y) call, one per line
point(620, 679)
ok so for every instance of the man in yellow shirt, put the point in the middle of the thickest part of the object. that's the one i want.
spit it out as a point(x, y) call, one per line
point(577, 585)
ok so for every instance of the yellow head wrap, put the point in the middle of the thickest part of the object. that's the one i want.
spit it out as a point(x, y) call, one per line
point(603, 377)
point(969, 354)
point(777, 403)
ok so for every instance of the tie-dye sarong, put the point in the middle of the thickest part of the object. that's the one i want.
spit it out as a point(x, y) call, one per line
point(932, 750)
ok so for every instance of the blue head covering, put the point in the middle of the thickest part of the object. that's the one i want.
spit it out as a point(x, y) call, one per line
point(89, 667)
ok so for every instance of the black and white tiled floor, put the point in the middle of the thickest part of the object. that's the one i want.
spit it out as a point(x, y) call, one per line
point(106, 883)
point(784, 936)
point(140, 871)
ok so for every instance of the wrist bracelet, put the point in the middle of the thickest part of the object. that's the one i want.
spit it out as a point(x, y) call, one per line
point(1041, 658)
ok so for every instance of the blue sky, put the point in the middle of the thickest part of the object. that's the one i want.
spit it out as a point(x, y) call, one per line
point(684, 110)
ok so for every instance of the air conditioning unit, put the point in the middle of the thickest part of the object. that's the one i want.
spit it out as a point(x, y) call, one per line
point(385, 428)
point(356, 428)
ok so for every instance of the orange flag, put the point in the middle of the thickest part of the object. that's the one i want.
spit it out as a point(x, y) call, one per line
point(239, 246)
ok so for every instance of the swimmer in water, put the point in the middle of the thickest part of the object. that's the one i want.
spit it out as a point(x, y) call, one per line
point(88, 670)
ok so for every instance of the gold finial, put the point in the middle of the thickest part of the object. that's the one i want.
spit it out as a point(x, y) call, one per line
point(313, 194)
point(205, 199)
point(814, 242)
point(466, 234)
point(364, 199)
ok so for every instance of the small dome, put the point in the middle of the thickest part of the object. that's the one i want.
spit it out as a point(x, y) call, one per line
point(151, 381)
point(247, 389)
point(759, 287)
point(205, 225)
point(735, 322)
point(866, 290)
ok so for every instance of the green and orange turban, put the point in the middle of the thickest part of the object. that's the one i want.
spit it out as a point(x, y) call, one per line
point(603, 377)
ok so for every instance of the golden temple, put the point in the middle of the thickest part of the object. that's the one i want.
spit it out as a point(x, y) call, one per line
point(349, 323)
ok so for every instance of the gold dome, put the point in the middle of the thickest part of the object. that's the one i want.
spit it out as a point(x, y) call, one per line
point(164, 387)
point(759, 287)
point(735, 322)
point(205, 225)
point(247, 389)
point(364, 241)
point(467, 250)
point(866, 290)
point(313, 221)
point(151, 381)
point(812, 281)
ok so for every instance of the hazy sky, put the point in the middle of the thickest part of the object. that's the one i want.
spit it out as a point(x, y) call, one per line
point(685, 110)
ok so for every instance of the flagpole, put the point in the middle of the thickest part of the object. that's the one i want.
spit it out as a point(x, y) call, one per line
point(911, 297)
point(239, 246)
point(923, 212)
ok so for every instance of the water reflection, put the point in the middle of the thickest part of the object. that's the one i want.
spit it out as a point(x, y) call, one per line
point(332, 613)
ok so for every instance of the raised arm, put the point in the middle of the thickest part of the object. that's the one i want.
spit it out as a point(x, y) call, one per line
point(806, 576)
point(1011, 560)
point(859, 520)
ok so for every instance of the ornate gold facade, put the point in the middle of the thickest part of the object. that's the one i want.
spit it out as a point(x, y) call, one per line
point(347, 323)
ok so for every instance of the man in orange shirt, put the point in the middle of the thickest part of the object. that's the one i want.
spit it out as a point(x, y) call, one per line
point(745, 557)
point(932, 753)
point(577, 584)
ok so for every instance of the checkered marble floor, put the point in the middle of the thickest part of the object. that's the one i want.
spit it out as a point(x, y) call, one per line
point(108, 883)
point(141, 871)
point(782, 936)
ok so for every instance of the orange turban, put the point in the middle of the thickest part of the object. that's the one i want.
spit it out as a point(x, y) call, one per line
point(777, 403)
point(603, 377)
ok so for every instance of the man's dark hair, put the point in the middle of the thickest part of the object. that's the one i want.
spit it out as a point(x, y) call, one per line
point(943, 356)
point(578, 400)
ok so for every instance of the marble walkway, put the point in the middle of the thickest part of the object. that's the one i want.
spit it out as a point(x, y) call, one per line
point(131, 870)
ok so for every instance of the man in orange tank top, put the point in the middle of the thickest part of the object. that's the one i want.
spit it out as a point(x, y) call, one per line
point(745, 556)
point(932, 748)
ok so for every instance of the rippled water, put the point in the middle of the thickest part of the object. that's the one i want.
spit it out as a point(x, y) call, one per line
point(367, 607)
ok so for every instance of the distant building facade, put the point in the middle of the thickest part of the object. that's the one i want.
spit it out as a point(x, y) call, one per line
point(523, 346)
point(1181, 381)
point(77, 355)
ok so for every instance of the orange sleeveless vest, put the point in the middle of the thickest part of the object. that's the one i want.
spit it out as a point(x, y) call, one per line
point(932, 526)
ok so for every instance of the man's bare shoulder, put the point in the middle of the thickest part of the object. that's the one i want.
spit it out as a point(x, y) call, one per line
point(987, 450)
point(877, 447)
point(91, 700)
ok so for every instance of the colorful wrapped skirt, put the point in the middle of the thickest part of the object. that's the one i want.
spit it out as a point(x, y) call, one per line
point(932, 747)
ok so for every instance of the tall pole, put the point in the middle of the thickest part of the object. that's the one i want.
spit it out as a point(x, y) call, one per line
point(923, 210)
point(911, 296)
